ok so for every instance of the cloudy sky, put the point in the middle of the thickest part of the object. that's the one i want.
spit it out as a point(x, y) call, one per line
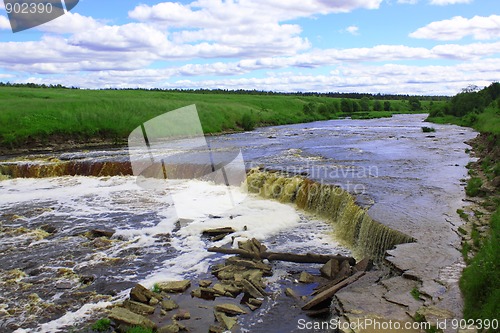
point(376, 46)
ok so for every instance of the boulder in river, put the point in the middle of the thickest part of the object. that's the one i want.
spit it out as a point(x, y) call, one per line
point(306, 278)
point(174, 286)
point(141, 294)
point(129, 318)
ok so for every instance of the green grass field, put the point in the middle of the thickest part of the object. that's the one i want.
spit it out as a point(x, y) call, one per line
point(45, 115)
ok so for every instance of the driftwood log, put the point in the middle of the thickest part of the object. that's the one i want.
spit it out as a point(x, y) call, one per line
point(291, 257)
point(328, 293)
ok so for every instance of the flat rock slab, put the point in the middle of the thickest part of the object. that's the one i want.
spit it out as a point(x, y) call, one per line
point(127, 317)
point(169, 305)
point(174, 286)
point(373, 305)
point(231, 309)
point(138, 307)
point(398, 292)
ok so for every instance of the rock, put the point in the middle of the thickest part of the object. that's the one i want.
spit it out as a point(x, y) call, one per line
point(219, 289)
point(216, 231)
point(222, 318)
point(174, 286)
point(64, 285)
point(290, 293)
point(139, 308)
point(169, 305)
point(181, 315)
point(345, 270)
point(230, 309)
point(318, 313)
point(215, 329)
point(128, 318)
point(249, 264)
point(172, 328)
point(96, 233)
point(204, 293)
point(251, 306)
point(141, 294)
point(254, 301)
point(204, 283)
point(330, 269)
point(249, 288)
point(49, 228)
point(101, 242)
point(153, 301)
point(363, 265)
point(87, 279)
point(306, 278)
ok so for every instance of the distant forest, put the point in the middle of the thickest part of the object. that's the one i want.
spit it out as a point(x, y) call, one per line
point(249, 92)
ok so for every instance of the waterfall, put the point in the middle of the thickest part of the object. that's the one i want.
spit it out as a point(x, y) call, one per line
point(353, 225)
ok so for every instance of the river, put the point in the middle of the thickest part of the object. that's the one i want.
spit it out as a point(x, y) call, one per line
point(408, 180)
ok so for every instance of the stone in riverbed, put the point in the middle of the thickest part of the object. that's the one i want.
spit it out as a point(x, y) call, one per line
point(181, 315)
point(230, 309)
point(172, 328)
point(204, 283)
point(174, 286)
point(290, 293)
point(169, 305)
point(139, 308)
point(128, 318)
point(96, 233)
point(225, 320)
point(330, 269)
point(306, 278)
point(141, 294)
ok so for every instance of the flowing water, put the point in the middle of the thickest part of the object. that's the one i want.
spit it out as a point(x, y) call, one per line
point(53, 277)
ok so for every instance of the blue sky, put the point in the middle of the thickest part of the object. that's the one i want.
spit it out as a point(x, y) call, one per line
point(375, 46)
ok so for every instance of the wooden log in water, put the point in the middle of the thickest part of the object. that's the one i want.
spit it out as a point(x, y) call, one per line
point(290, 257)
point(327, 294)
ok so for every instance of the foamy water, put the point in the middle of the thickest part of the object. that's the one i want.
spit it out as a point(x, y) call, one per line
point(142, 220)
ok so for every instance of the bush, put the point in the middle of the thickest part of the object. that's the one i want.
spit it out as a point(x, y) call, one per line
point(102, 325)
point(473, 187)
point(247, 122)
point(480, 281)
point(426, 129)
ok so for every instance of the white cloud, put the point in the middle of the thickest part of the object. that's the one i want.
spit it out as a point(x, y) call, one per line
point(448, 2)
point(248, 27)
point(353, 30)
point(391, 78)
point(480, 27)
point(4, 23)
point(70, 23)
point(215, 13)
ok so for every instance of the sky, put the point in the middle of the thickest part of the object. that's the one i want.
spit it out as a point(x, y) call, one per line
point(418, 47)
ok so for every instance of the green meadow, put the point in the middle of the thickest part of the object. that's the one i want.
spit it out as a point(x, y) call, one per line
point(51, 114)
